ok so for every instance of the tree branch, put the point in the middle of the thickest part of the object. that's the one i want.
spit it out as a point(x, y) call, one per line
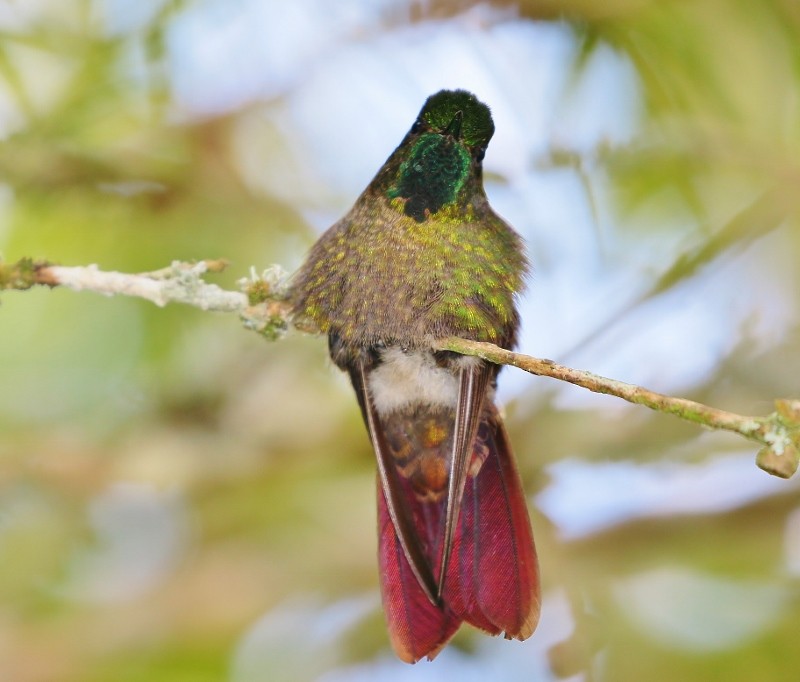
point(778, 432)
point(262, 306)
point(260, 303)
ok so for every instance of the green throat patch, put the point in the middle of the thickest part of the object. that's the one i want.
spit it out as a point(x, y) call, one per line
point(432, 176)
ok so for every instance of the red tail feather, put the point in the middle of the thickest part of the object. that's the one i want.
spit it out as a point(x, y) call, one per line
point(507, 571)
point(492, 579)
point(417, 628)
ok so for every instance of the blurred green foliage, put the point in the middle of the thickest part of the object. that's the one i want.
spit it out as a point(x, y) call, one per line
point(262, 448)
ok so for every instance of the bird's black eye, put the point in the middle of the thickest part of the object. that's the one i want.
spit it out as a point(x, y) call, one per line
point(417, 127)
point(480, 152)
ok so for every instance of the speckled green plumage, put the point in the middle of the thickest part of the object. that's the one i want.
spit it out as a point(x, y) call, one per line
point(421, 255)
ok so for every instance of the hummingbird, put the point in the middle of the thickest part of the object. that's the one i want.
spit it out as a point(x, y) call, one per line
point(422, 256)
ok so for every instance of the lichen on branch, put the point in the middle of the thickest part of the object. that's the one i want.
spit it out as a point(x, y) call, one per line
point(260, 303)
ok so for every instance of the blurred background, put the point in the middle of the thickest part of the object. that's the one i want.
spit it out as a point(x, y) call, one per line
point(180, 500)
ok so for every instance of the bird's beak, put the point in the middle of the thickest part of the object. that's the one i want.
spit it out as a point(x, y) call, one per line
point(454, 127)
